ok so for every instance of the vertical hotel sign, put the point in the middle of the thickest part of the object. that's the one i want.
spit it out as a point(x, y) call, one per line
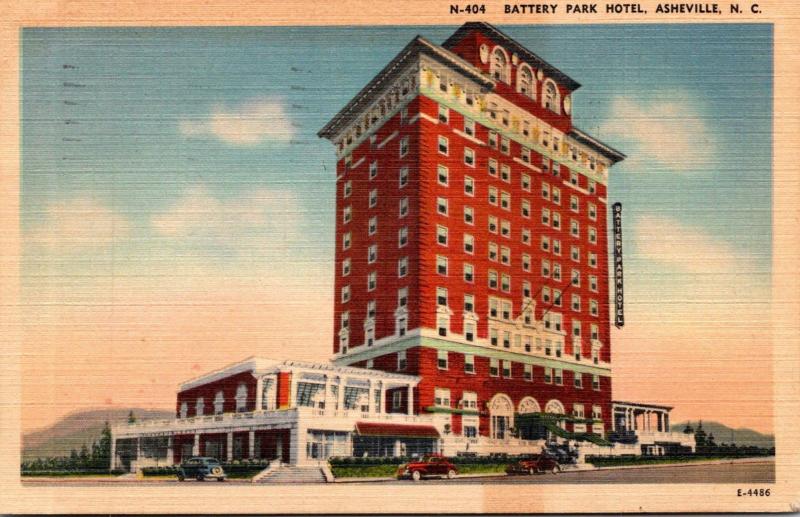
point(619, 313)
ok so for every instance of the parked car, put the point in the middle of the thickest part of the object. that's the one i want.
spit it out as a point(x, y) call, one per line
point(536, 464)
point(431, 465)
point(201, 468)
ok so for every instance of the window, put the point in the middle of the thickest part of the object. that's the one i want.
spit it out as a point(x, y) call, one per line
point(469, 303)
point(559, 349)
point(550, 96)
point(404, 146)
point(469, 215)
point(401, 365)
point(373, 170)
point(506, 310)
point(219, 403)
point(594, 308)
point(347, 214)
point(526, 208)
point(441, 397)
point(469, 331)
point(345, 320)
point(592, 235)
point(397, 399)
point(441, 359)
point(443, 175)
point(526, 236)
point(469, 127)
point(576, 302)
point(548, 375)
point(369, 335)
point(469, 243)
point(506, 339)
point(576, 350)
point(373, 225)
point(507, 369)
point(469, 400)
point(576, 328)
point(373, 198)
point(199, 406)
point(527, 373)
point(556, 247)
point(556, 271)
point(492, 196)
point(403, 177)
point(184, 410)
point(403, 207)
point(576, 278)
point(469, 186)
point(505, 146)
point(348, 189)
point(441, 205)
point(442, 325)
point(525, 153)
point(579, 380)
point(402, 237)
point(492, 139)
point(444, 114)
point(372, 254)
point(592, 212)
point(469, 363)
point(558, 376)
point(573, 204)
point(443, 145)
point(492, 224)
point(505, 173)
point(346, 241)
point(469, 273)
point(441, 235)
point(441, 265)
point(557, 297)
point(469, 157)
point(493, 337)
point(593, 259)
point(525, 81)
point(573, 178)
point(546, 295)
point(492, 279)
point(596, 387)
point(492, 167)
point(545, 243)
point(527, 343)
point(556, 220)
point(494, 367)
point(592, 187)
point(402, 267)
point(498, 67)
point(546, 268)
point(505, 283)
point(574, 228)
point(526, 182)
point(526, 262)
point(441, 296)
point(575, 253)
point(595, 332)
point(346, 267)
point(545, 190)
point(372, 281)
point(505, 228)
point(505, 255)
point(345, 294)
point(545, 216)
point(556, 195)
point(593, 283)
point(505, 200)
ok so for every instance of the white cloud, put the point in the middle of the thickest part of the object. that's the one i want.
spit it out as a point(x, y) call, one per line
point(668, 241)
point(664, 133)
point(247, 220)
point(81, 224)
point(245, 124)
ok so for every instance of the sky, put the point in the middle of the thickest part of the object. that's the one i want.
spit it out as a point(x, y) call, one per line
point(177, 207)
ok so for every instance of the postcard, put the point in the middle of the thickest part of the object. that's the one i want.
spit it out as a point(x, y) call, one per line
point(387, 257)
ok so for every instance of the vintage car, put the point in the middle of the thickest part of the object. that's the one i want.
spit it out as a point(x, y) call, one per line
point(536, 464)
point(431, 465)
point(201, 468)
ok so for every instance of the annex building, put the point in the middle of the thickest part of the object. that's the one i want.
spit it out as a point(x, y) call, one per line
point(471, 309)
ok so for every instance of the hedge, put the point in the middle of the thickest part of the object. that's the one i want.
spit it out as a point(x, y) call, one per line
point(232, 470)
point(615, 461)
point(66, 473)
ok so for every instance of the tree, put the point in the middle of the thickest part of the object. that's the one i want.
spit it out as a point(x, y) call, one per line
point(131, 417)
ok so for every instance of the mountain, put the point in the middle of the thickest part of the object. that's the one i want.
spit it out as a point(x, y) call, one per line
point(722, 434)
point(79, 428)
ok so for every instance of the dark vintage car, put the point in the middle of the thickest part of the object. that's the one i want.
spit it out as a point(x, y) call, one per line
point(201, 468)
point(428, 466)
point(536, 464)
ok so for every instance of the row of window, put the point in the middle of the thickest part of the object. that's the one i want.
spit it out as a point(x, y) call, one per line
point(218, 404)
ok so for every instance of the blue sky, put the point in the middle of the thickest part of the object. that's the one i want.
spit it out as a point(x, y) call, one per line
point(132, 148)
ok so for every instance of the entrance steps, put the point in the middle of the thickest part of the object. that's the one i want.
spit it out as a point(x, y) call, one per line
point(288, 474)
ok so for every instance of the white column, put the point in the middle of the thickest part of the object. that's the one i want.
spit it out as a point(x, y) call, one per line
point(666, 422)
point(383, 397)
point(251, 444)
point(370, 398)
point(342, 384)
point(170, 451)
point(113, 464)
point(325, 395)
point(196, 445)
point(138, 450)
point(410, 399)
point(229, 447)
point(259, 393)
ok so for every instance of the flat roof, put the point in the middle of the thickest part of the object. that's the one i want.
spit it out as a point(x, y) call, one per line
point(641, 405)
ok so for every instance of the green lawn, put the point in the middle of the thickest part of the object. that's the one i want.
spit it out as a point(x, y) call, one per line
point(63, 473)
point(389, 470)
point(620, 461)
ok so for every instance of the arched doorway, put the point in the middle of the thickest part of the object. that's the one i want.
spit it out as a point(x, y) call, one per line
point(555, 407)
point(501, 412)
point(528, 420)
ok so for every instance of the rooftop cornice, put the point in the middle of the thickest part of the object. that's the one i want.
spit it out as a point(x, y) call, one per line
point(589, 141)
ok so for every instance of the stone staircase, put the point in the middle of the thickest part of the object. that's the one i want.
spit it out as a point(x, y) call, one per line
point(287, 474)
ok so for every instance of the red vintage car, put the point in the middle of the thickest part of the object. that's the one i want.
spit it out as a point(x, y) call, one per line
point(431, 465)
point(536, 464)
